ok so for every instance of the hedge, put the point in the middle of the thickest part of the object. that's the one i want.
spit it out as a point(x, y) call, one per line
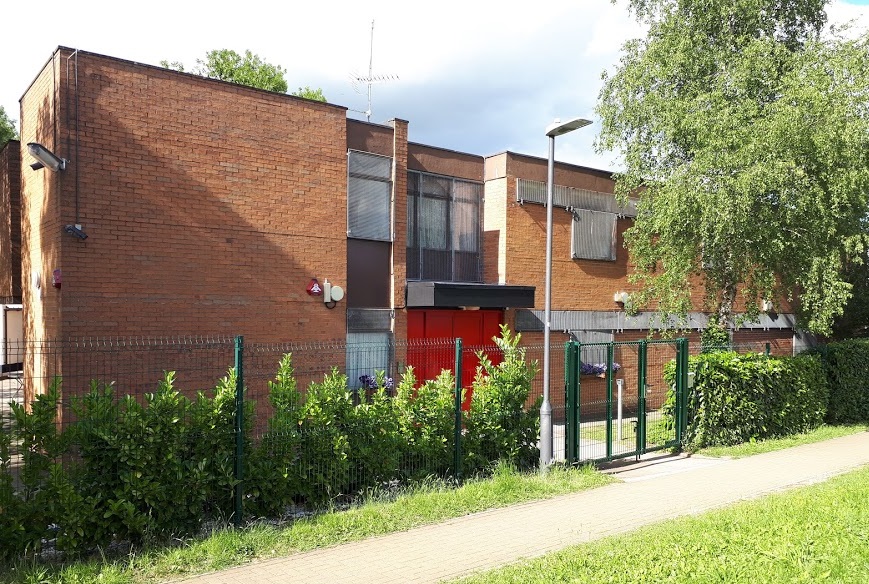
point(739, 398)
point(130, 470)
point(847, 368)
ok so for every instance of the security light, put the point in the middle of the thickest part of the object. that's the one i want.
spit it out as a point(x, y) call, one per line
point(45, 157)
point(76, 231)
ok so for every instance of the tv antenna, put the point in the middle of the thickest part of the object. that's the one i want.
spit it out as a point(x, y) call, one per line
point(357, 80)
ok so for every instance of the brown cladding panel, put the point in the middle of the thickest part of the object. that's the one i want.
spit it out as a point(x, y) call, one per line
point(445, 162)
point(368, 273)
point(367, 137)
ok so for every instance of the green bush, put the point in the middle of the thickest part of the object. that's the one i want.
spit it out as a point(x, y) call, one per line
point(376, 446)
point(426, 422)
point(739, 398)
point(847, 368)
point(26, 514)
point(499, 425)
point(130, 469)
point(273, 476)
point(152, 468)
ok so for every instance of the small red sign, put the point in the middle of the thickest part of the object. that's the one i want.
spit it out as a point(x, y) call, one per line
point(314, 288)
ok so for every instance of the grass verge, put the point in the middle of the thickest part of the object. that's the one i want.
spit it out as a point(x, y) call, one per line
point(229, 547)
point(759, 447)
point(815, 534)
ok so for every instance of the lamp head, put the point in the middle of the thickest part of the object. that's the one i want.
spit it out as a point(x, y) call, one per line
point(45, 157)
point(557, 128)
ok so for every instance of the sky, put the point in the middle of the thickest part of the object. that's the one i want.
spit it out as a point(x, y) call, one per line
point(473, 76)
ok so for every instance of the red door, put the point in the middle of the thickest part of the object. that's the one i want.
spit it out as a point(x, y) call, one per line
point(476, 328)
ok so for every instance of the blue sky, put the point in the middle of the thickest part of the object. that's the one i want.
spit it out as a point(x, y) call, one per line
point(472, 76)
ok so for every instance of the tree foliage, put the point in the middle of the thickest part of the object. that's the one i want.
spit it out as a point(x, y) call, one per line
point(308, 93)
point(7, 128)
point(744, 131)
point(248, 69)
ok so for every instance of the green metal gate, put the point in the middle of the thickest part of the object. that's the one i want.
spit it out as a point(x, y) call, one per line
point(624, 399)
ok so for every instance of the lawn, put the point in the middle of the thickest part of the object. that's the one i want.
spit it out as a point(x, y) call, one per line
point(227, 547)
point(814, 534)
point(760, 446)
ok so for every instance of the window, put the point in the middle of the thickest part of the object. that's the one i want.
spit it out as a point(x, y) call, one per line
point(444, 219)
point(369, 196)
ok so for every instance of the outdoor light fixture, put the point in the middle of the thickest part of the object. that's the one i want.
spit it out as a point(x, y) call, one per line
point(45, 157)
point(76, 231)
point(556, 128)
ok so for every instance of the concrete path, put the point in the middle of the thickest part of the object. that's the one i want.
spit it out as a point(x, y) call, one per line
point(652, 491)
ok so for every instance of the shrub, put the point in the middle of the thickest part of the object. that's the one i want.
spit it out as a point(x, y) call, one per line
point(27, 514)
point(426, 422)
point(324, 447)
point(846, 364)
point(499, 426)
point(152, 468)
point(274, 477)
point(739, 398)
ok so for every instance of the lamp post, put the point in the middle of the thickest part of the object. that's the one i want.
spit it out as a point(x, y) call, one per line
point(557, 128)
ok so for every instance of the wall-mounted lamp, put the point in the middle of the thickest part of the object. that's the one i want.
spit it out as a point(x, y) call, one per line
point(621, 297)
point(766, 306)
point(76, 231)
point(46, 158)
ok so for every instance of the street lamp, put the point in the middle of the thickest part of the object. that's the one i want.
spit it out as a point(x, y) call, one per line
point(556, 128)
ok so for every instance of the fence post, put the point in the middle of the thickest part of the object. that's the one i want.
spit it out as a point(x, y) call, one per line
point(571, 422)
point(681, 391)
point(643, 358)
point(610, 355)
point(239, 428)
point(457, 437)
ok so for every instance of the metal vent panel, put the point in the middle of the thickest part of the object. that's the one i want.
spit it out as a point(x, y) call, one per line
point(369, 320)
point(532, 191)
point(593, 235)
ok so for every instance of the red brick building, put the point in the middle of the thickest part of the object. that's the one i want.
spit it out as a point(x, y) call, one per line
point(209, 208)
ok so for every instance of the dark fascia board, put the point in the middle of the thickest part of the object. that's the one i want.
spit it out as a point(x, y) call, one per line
point(454, 294)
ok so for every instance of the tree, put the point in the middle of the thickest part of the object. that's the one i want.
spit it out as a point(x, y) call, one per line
point(7, 128)
point(744, 132)
point(227, 65)
point(308, 93)
point(250, 69)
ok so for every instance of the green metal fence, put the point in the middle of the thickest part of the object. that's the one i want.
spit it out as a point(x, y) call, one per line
point(351, 421)
point(624, 398)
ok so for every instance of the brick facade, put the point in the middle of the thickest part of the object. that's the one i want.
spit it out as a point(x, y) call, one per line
point(210, 206)
point(200, 200)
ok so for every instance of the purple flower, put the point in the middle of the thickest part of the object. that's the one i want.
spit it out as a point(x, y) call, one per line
point(370, 381)
point(596, 368)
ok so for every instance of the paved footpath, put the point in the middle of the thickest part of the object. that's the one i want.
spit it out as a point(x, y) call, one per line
point(651, 492)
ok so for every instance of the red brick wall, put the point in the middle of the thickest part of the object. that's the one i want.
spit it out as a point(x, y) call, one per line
point(41, 117)
point(576, 284)
point(399, 246)
point(781, 342)
point(208, 206)
point(10, 219)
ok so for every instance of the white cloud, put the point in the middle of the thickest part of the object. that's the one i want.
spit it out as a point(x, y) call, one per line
point(474, 76)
